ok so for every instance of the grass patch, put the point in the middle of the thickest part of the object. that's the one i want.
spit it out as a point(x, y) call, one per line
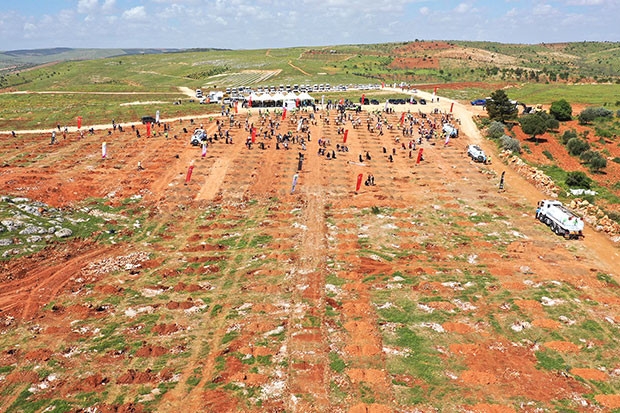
point(606, 278)
point(550, 360)
point(422, 361)
point(336, 363)
point(230, 336)
point(548, 154)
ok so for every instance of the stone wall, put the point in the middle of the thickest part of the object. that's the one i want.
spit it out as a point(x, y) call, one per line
point(596, 217)
point(533, 175)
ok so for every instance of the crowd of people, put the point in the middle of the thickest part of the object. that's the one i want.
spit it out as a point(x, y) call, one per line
point(274, 129)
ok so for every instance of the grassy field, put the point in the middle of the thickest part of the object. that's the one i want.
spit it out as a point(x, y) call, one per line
point(535, 68)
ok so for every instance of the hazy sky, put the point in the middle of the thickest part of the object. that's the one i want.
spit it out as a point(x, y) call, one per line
point(254, 24)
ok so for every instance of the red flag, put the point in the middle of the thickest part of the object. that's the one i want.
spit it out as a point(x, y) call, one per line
point(435, 91)
point(284, 113)
point(363, 97)
point(402, 119)
point(382, 84)
point(419, 156)
point(451, 107)
point(148, 129)
point(79, 122)
point(346, 133)
point(359, 182)
point(253, 135)
point(250, 102)
point(236, 104)
point(189, 174)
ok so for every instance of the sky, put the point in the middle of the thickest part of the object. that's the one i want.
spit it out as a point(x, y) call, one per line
point(259, 24)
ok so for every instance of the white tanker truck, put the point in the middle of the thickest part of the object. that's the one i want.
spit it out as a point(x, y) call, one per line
point(560, 219)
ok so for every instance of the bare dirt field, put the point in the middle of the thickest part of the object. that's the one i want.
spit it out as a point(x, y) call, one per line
point(429, 291)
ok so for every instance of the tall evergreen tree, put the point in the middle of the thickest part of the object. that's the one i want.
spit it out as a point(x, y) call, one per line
point(500, 108)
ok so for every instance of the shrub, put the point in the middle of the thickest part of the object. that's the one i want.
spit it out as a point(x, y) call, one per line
point(589, 114)
point(603, 133)
point(510, 144)
point(587, 156)
point(548, 154)
point(577, 146)
point(552, 124)
point(595, 160)
point(561, 110)
point(616, 159)
point(568, 135)
point(495, 130)
point(578, 179)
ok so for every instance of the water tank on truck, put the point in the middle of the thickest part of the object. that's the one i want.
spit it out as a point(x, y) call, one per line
point(560, 219)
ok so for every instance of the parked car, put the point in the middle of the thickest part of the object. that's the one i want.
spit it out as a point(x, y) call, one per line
point(198, 137)
point(374, 102)
point(479, 102)
point(422, 101)
point(413, 101)
point(476, 153)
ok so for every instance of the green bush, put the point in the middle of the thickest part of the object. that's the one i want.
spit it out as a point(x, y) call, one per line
point(561, 110)
point(496, 130)
point(509, 143)
point(594, 159)
point(568, 135)
point(589, 114)
point(578, 179)
point(577, 146)
point(548, 154)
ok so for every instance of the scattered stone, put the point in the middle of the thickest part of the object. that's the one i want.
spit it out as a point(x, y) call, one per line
point(63, 233)
point(12, 225)
point(33, 239)
point(32, 229)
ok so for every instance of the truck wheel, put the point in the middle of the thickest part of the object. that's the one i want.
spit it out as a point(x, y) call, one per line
point(480, 158)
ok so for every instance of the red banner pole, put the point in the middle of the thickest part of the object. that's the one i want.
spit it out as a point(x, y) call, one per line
point(419, 156)
point(189, 173)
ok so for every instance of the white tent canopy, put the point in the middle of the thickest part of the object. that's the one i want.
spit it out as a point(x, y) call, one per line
point(290, 96)
point(278, 97)
point(304, 96)
point(265, 97)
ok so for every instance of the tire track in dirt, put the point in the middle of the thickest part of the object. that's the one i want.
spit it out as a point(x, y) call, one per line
point(298, 68)
point(24, 297)
point(307, 372)
point(363, 349)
